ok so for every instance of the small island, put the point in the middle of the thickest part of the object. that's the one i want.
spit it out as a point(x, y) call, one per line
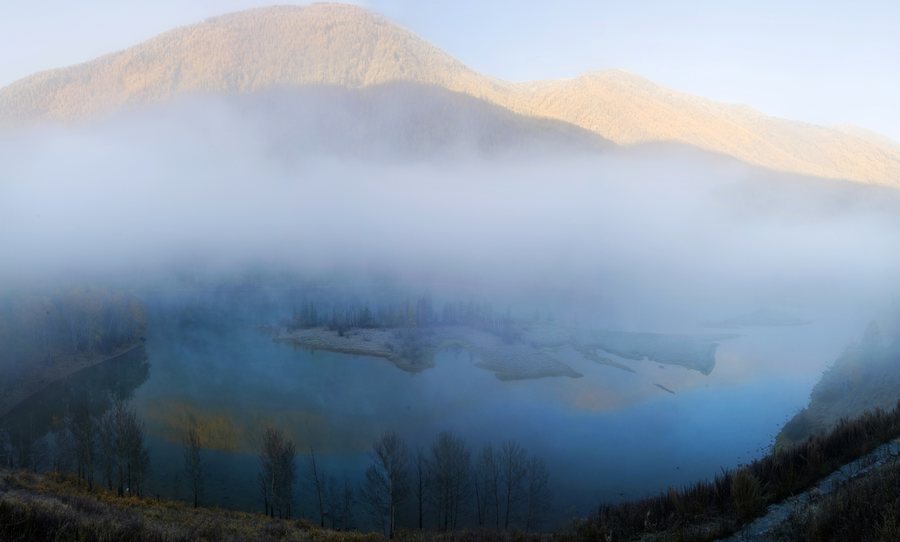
point(410, 336)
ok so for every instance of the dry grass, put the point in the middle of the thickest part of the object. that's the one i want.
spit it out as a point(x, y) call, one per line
point(863, 509)
point(57, 507)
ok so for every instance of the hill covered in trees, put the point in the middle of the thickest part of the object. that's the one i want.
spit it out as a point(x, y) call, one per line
point(334, 44)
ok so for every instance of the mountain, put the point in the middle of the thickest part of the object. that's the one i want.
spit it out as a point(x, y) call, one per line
point(334, 44)
point(392, 120)
point(627, 109)
point(322, 44)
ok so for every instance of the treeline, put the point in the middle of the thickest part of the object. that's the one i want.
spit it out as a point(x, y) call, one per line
point(35, 329)
point(442, 488)
point(500, 488)
point(106, 448)
point(422, 313)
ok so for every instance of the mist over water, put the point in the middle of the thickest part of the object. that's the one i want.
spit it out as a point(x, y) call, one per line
point(185, 204)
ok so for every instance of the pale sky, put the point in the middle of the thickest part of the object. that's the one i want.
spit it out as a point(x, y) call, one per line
point(826, 62)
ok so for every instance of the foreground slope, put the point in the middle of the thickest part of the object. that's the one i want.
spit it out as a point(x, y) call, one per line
point(333, 44)
point(57, 507)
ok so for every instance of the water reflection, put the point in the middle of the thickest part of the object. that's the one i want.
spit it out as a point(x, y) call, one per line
point(96, 387)
point(610, 435)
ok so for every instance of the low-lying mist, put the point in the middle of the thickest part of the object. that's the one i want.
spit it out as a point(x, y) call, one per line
point(318, 183)
point(336, 264)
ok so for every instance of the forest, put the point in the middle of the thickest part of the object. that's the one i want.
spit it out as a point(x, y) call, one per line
point(45, 336)
point(343, 315)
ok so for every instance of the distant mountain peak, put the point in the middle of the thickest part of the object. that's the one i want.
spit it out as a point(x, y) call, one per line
point(350, 46)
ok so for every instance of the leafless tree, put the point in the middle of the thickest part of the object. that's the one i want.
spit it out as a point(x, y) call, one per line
point(82, 428)
point(6, 449)
point(450, 468)
point(64, 446)
point(193, 463)
point(340, 500)
point(421, 485)
point(387, 480)
point(319, 483)
point(537, 493)
point(487, 486)
point(122, 450)
point(513, 468)
point(346, 509)
point(106, 431)
point(278, 473)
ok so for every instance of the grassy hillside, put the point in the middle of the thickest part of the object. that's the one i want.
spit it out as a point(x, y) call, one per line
point(862, 509)
point(57, 507)
point(36, 507)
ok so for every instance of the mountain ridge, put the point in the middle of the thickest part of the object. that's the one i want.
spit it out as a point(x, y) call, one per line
point(344, 45)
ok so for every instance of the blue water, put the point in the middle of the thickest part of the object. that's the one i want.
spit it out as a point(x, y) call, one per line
point(607, 436)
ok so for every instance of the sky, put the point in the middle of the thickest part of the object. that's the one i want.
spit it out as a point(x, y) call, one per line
point(825, 62)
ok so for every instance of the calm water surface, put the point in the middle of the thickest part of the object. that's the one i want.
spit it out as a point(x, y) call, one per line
point(607, 436)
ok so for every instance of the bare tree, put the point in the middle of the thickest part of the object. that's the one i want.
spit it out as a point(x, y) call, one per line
point(450, 467)
point(387, 480)
point(193, 463)
point(537, 493)
point(346, 506)
point(513, 467)
point(487, 486)
point(422, 485)
point(82, 428)
point(106, 431)
point(29, 451)
point(319, 486)
point(64, 446)
point(339, 499)
point(6, 449)
point(122, 449)
point(278, 473)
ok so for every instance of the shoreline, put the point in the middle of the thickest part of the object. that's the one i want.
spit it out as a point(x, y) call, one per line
point(321, 346)
point(414, 352)
point(531, 353)
point(60, 370)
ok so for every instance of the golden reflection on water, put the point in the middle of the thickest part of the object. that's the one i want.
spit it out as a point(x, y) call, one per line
point(230, 430)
